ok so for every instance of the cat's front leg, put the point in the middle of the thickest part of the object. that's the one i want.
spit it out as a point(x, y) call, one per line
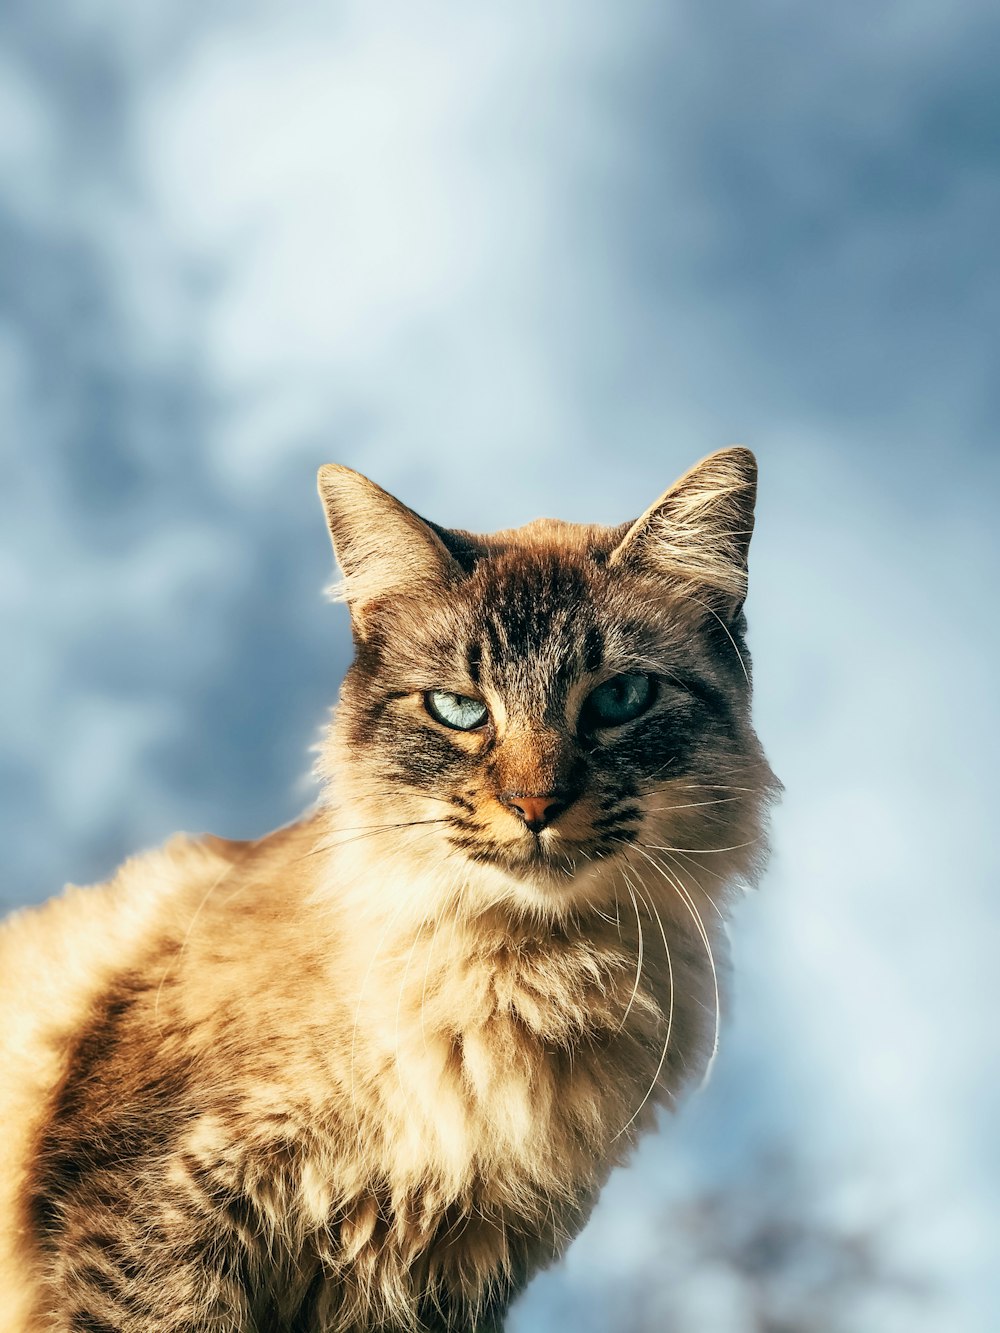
point(149, 1246)
point(156, 1280)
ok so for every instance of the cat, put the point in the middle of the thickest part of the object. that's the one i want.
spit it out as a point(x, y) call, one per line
point(370, 1072)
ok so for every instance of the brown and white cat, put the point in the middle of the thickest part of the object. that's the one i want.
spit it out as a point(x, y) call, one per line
point(370, 1072)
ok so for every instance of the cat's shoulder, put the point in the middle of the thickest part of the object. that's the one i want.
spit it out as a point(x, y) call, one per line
point(56, 960)
point(116, 906)
point(59, 958)
point(55, 956)
point(144, 889)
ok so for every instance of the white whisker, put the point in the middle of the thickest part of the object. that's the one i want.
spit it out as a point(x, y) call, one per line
point(690, 805)
point(704, 605)
point(686, 898)
point(638, 970)
point(670, 1017)
point(702, 870)
point(698, 851)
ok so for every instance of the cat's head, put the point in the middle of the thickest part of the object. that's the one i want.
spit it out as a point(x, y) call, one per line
point(543, 709)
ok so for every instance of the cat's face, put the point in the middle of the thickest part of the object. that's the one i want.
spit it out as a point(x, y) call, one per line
point(544, 704)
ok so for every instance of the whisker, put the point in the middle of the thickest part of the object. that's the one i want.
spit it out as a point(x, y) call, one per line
point(394, 793)
point(688, 901)
point(691, 805)
point(368, 832)
point(400, 823)
point(703, 786)
point(697, 851)
point(638, 970)
point(663, 767)
point(704, 605)
point(670, 1018)
point(615, 920)
point(702, 869)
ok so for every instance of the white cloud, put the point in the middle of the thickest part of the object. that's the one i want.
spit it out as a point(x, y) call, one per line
point(387, 197)
point(27, 141)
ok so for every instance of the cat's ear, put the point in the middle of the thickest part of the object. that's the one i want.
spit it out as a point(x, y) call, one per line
point(696, 536)
point(382, 547)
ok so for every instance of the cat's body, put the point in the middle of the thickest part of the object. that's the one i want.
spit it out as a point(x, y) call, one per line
point(370, 1072)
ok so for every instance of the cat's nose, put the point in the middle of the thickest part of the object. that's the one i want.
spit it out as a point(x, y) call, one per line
point(536, 811)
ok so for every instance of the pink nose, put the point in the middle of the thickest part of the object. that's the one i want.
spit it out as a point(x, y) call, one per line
point(536, 811)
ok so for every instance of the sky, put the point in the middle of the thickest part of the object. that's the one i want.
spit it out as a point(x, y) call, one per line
point(513, 261)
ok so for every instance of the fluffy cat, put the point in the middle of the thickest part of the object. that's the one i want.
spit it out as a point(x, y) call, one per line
point(370, 1071)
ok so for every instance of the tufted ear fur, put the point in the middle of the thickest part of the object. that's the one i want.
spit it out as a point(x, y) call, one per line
point(698, 533)
point(382, 547)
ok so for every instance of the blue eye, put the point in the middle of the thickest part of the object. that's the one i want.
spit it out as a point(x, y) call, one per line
point(456, 710)
point(618, 700)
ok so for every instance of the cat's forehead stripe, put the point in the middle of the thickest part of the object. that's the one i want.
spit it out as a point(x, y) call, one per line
point(538, 633)
point(593, 649)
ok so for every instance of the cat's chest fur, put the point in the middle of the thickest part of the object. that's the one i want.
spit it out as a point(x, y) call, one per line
point(493, 1061)
point(453, 1055)
point(451, 1105)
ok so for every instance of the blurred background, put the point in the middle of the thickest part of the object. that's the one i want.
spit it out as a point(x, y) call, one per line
point(519, 260)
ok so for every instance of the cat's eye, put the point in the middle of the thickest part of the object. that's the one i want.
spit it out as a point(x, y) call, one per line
point(456, 710)
point(618, 700)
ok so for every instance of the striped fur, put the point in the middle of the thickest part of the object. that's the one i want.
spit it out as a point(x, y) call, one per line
point(371, 1071)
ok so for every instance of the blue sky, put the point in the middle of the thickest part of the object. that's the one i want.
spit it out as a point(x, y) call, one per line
point(513, 262)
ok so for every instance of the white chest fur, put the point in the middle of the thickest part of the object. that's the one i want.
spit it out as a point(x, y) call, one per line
point(485, 1055)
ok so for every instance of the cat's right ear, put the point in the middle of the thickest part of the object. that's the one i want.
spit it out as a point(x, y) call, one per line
point(382, 547)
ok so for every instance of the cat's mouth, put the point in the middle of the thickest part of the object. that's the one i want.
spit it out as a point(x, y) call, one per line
point(539, 856)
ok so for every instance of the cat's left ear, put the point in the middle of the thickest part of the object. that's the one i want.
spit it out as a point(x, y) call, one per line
point(696, 536)
point(382, 547)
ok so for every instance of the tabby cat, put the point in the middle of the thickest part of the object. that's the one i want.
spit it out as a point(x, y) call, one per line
point(369, 1072)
